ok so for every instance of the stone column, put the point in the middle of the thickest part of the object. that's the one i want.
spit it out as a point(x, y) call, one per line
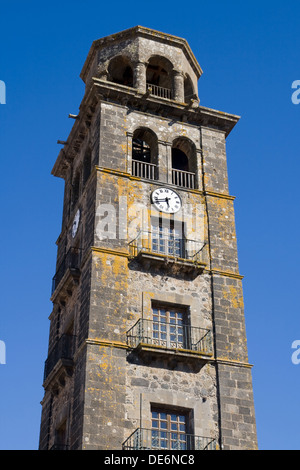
point(178, 86)
point(139, 76)
point(163, 161)
point(129, 153)
point(169, 162)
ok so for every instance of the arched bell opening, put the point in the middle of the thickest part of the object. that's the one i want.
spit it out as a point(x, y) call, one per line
point(184, 164)
point(120, 71)
point(159, 77)
point(144, 153)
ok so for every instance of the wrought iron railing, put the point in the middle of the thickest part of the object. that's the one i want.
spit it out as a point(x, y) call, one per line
point(185, 179)
point(144, 170)
point(63, 349)
point(170, 335)
point(71, 261)
point(167, 245)
point(159, 91)
point(153, 439)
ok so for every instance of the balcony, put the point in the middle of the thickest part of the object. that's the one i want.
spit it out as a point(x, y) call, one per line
point(68, 267)
point(152, 439)
point(170, 339)
point(61, 356)
point(159, 91)
point(168, 251)
point(184, 179)
point(144, 170)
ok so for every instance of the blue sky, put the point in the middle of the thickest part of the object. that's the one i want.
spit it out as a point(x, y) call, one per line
point(249, 52)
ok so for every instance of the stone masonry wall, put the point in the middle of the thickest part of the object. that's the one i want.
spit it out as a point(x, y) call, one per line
point(237, 415)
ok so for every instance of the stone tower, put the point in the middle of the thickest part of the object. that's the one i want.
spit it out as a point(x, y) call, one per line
point(147, 343)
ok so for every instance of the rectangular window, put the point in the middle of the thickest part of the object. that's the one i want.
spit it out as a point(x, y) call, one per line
point(167, 238)
point(170, 326)
point(170, 429)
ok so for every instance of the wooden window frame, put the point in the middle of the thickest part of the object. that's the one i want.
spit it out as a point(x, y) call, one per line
point(174, 425)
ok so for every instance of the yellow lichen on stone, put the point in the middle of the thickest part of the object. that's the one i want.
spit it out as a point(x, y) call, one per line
point(234, 295)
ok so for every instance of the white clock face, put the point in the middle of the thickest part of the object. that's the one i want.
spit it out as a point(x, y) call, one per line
point(166, 200)
point(75, 223)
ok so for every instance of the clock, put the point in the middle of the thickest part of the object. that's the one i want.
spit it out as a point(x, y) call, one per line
point(75, 223)
point(166, 200)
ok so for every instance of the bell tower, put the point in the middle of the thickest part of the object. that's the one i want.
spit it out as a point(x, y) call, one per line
point(147, 342)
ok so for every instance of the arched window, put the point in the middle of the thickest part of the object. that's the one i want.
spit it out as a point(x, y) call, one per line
point(144, 154)
point(184, 163)
point(120, 71)
point(159, 77)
